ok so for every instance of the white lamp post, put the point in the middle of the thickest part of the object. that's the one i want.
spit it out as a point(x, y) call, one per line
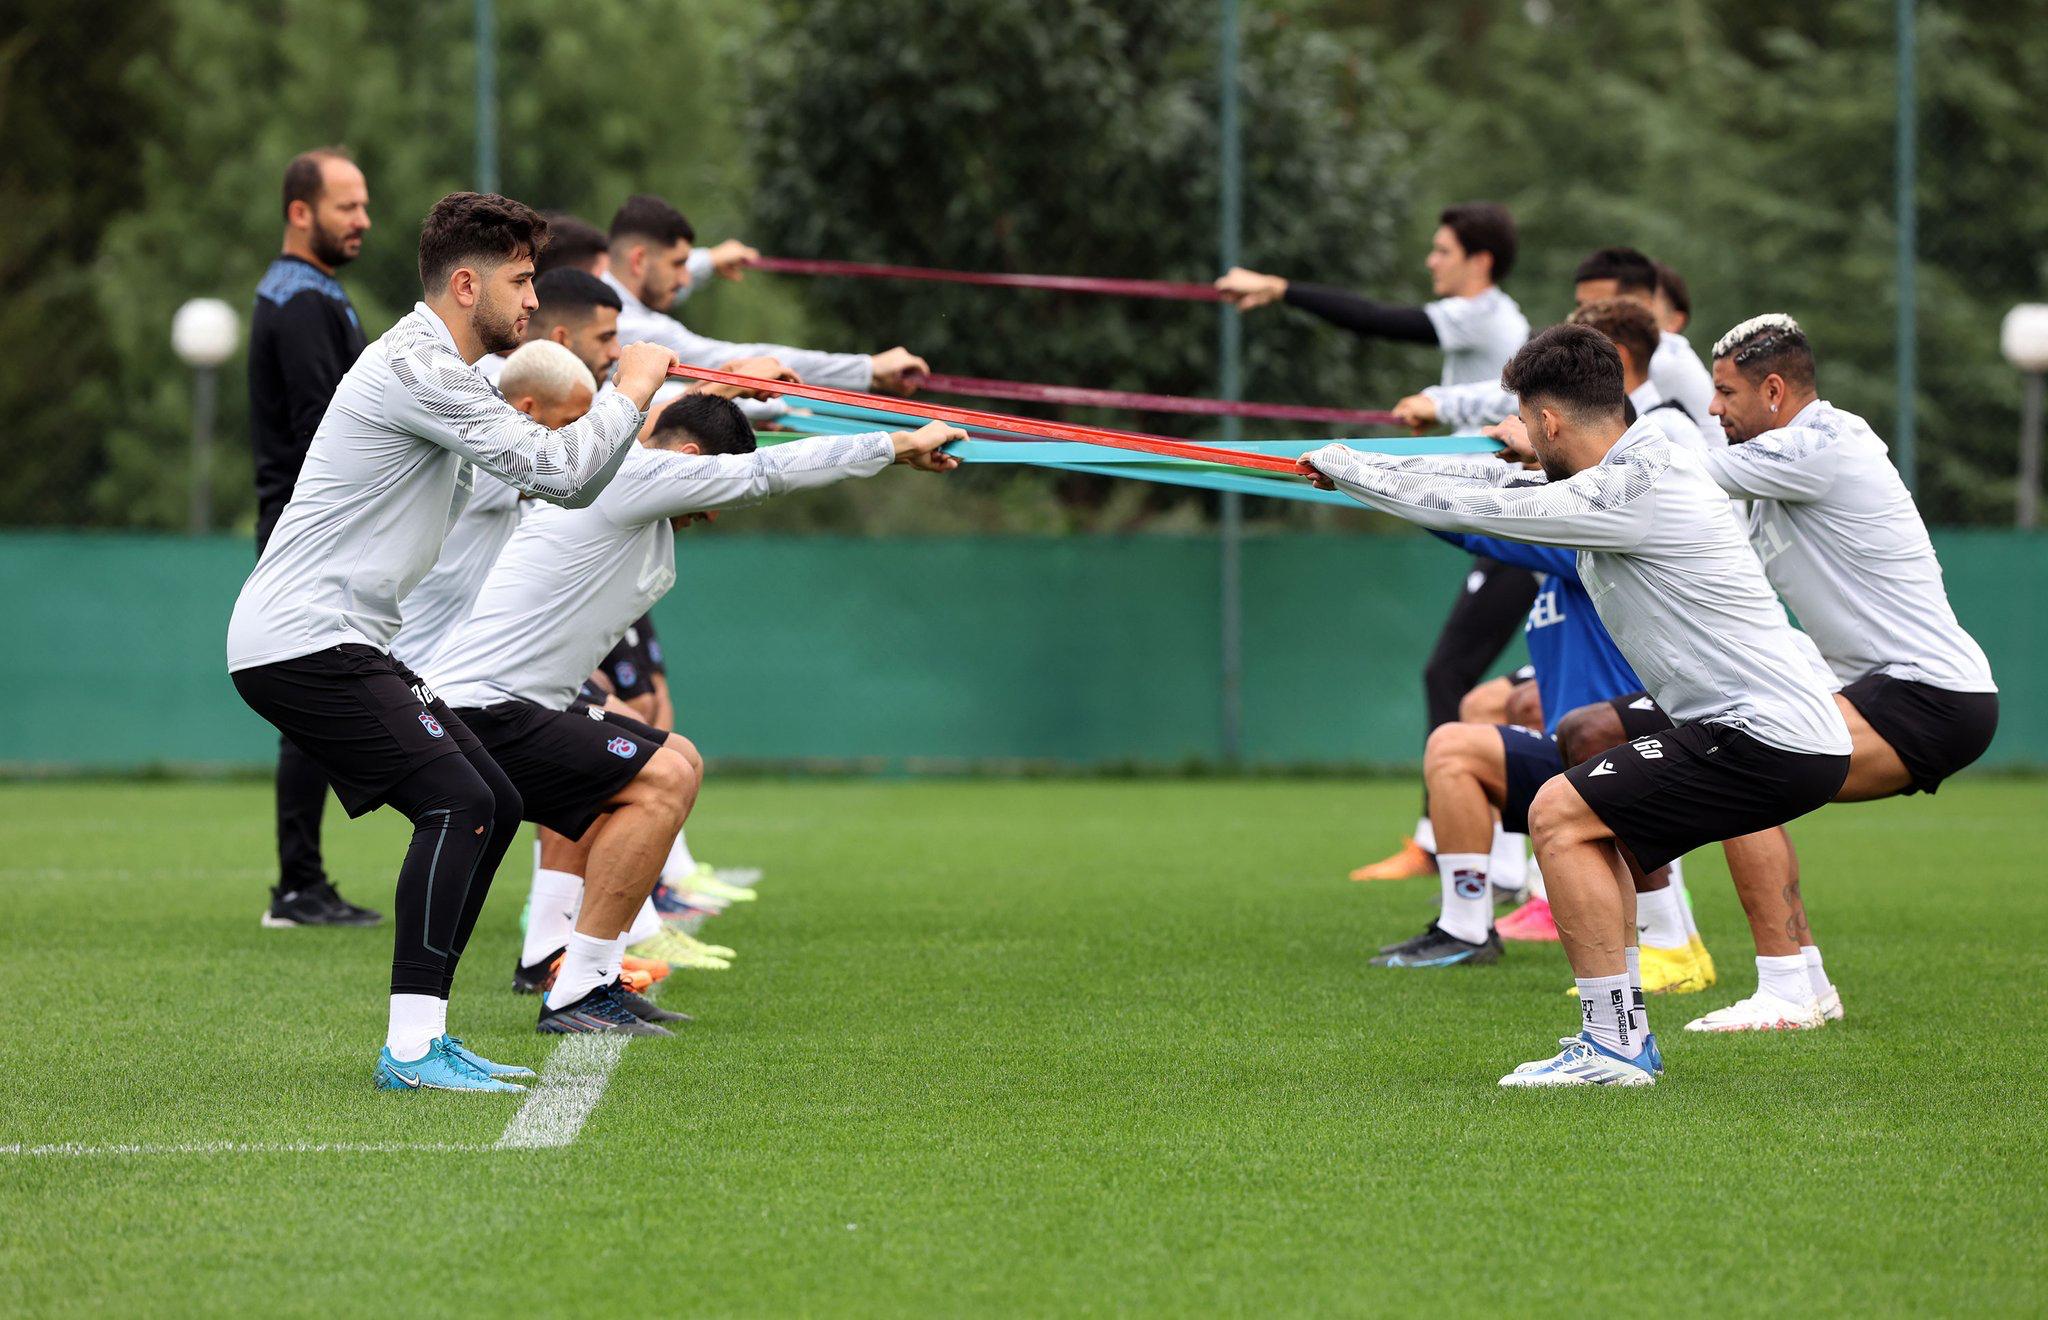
point(204, 333)
point(2024, 340)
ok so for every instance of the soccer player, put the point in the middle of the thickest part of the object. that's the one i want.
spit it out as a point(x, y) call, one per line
point(1617, 272)
point(1473, 320)
point(1633, 328)
point(1475, 769)
point(650, 252)
point(1757, 741)
point(303, 336)
point(1478, 326)
point(309, 641)
point(560, 596)
point(1844, 544)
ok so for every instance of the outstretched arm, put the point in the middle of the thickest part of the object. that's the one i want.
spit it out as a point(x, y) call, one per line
point(444, 400)
point(1608, 507)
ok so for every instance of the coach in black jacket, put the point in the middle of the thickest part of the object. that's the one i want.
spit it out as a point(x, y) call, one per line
point(303, 336)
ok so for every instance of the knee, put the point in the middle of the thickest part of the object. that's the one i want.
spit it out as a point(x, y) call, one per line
point(669, 779)
point(1558, 814)
point(1588, 731)
point(688, 751)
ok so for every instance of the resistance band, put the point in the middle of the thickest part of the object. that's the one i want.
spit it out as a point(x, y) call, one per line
point(975, 387)
point(1063, 283)
point(975, 417)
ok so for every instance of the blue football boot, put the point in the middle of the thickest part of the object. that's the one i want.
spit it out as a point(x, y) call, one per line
point(511, 1072)
point(438, 1070)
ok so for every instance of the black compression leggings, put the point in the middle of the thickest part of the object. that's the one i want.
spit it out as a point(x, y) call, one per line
point(464, 814)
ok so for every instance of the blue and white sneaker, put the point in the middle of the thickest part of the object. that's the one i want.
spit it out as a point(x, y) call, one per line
point(1582, 1062)
point(439, 1070)
point(510, 1072)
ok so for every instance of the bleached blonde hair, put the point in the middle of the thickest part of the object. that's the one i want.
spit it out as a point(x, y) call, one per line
point(545, 370)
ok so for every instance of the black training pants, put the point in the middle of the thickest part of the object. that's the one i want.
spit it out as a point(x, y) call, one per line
point(465, 814)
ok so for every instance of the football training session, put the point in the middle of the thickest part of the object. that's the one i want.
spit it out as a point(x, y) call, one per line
point(982, 658)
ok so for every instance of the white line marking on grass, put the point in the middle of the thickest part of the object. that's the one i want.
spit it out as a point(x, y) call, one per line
point(569, 1088)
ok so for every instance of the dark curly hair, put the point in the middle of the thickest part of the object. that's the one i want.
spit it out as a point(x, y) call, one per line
point(466, 226)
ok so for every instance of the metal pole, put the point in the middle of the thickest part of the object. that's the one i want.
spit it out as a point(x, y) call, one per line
point(1905, 171)
point(486, 97)
point(2028, 515)
point(204, 379)
point(1230, 385)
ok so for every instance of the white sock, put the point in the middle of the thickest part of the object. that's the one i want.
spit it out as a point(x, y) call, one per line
point(1509, 864)
point(1816, 975)
point(551, 916)
point(1536, 889)
point(1784, 977)
point(1692, 928)
point(417, 1021)
point(680, 864)
point(646, 923)
point(1606, 1005)
point(1425, 835)
point(1467, 901)
point(589, 963)
point(1658, 920)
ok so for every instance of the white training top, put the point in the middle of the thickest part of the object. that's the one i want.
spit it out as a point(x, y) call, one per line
point(1665, 561)
point(1478, 334)
point(638, 322)
point(572, 580)
point(443, 597)
point(1675, 370)
point(388, 470)
point(1843, 542)
point(1673, 421)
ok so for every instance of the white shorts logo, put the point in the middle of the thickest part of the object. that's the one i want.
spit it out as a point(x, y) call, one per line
point(1604, 768)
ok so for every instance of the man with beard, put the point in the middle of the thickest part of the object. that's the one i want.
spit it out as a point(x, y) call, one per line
point(309, 643)
point(302, 337)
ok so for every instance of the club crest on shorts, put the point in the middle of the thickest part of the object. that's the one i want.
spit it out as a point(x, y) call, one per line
point(627, 673)
point(430, 724)
point(621, 748)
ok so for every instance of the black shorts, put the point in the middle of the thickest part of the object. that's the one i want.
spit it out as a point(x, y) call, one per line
point(1936, 732)
point(1693, 784)
point(1639, 714)
point(568, 765)
point(363, 717)
point(633, 663)
point(1533, 760)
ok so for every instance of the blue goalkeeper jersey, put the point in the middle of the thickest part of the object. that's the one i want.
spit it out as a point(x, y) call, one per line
point(1576, 662)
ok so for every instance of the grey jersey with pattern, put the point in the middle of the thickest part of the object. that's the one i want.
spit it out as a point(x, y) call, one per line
point(571, 581)
point(1478, 334)
point(389, 468)
point(1843, 542)
point(1667, 565)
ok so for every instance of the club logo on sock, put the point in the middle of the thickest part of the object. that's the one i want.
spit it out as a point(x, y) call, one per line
point(430, 724)
point(1468, 884)
point(621, 748)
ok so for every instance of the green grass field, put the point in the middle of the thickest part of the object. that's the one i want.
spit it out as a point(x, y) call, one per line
point(1037, 1047)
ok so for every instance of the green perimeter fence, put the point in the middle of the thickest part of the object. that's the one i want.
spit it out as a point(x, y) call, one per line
point(910, 654)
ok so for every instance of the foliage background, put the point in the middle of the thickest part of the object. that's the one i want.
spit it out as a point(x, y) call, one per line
point(1747, 142)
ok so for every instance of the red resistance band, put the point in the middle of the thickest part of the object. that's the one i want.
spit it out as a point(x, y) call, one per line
point(1063, 283)
point(976, 388)
point(1090, 435)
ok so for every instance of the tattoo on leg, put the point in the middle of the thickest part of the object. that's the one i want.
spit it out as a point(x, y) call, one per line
point(1795, 925)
